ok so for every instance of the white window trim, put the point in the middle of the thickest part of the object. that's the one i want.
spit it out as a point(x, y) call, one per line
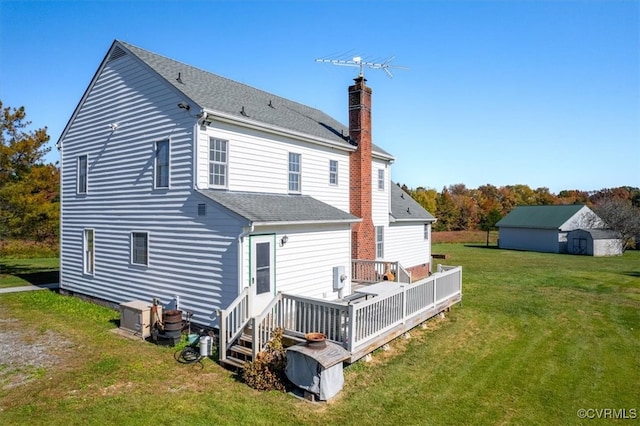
point(133, 248)
point(298, 173)
point(88, 265)
point(333, 174)
point(379, 243)
point(155, 164)
point(79, 175)
point(225, 163)
point(381, 179)
point(426, 231)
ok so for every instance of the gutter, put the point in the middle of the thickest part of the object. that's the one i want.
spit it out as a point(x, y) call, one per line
point(232, 119)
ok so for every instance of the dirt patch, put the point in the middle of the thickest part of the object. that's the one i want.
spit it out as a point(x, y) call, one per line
point(25, 355)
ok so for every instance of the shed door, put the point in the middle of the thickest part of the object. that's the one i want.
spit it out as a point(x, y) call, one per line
point(262, 271)
point(580, 246)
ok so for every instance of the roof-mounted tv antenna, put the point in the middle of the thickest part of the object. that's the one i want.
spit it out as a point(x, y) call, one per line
point(358, 62)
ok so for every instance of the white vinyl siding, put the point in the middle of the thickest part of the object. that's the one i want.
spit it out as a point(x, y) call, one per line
point(187, 252)
point(295, 173)
point(218, 162)
point(259, 163)
point(88, 260)
point(405, 243)
point(295, 274)
point(333, 172)
point(140, 248)
point(380, 242)
point(162, 164)
point(82, 174)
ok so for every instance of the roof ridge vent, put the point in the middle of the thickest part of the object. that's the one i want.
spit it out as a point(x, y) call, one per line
point(117, 53)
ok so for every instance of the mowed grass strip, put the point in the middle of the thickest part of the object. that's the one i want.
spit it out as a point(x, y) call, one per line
point(536, 338)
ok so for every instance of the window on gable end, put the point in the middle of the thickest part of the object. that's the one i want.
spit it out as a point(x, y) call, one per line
point(218, 162)
point(333, 172)
point(82, 174)
point(162, 164)
point(140, 248)
point(295, 175)
point(89, 252)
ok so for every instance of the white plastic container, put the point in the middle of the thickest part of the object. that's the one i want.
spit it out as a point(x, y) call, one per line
point(206, 343)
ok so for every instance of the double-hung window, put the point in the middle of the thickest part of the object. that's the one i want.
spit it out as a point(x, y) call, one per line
point(218, 162)
point(89, 252)
point(140, 248)
point(381, 179)
point(162, 164)
point(426, 231)
point(294, 173)
point(82, 175)
point(380, 242)
point(333, 172)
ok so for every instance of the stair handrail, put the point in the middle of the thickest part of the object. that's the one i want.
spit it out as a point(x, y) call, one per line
point(232, 321)
point(264, 324)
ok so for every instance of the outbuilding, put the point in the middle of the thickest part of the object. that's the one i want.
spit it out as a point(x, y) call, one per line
point(594, 242)
point(544, 228)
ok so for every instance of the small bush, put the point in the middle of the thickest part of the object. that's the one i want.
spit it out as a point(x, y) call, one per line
point(266, 372)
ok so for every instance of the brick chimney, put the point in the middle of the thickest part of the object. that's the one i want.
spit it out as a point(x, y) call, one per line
point(363, 245)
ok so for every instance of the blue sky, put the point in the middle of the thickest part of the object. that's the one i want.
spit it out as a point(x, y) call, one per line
point(542, 93)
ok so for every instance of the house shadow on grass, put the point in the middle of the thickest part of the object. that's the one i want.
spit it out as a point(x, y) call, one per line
point(41, 277)
point(483, 246)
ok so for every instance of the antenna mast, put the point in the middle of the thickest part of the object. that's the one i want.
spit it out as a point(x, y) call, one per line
point(358, 62)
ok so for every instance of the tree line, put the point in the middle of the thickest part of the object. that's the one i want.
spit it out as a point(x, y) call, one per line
point(459, 208)
point(30, 193)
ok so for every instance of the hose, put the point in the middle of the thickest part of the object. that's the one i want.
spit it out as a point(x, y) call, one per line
point(189, 355)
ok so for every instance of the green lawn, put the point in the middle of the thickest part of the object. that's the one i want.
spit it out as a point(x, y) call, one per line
point(537, 338)
point(20, 272)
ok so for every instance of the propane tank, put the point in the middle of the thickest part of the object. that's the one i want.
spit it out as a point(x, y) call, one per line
point(205, 346)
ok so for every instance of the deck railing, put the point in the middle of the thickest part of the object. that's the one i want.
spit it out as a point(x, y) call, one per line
point(355, 325)
point(373, 271)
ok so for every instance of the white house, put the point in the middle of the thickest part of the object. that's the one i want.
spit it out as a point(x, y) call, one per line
point(544, 228)
point(594, 242)
point(180, 184)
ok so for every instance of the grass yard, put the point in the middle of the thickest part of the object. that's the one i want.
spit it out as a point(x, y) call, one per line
point(537, 338)
point(20, 272)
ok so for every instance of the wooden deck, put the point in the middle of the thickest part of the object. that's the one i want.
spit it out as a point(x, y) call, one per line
point(362, 322)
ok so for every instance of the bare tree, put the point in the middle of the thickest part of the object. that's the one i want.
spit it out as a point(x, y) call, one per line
point(620, 215)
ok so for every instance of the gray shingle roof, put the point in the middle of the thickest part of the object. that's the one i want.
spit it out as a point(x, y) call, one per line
point(219, 94)
point(543, 217)
point(405, 208)
point(278, 208)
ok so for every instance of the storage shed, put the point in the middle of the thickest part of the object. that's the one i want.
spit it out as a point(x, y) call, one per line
point(544, 228)
point(594, 242)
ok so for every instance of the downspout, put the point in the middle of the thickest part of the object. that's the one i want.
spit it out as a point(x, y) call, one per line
point(240, 254)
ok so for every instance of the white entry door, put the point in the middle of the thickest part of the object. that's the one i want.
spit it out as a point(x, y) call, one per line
point(262, 271)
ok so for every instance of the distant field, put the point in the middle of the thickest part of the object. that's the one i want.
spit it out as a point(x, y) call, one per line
point(538, 339)
point(464, 237)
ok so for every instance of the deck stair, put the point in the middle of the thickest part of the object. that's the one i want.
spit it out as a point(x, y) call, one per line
point(240, 352)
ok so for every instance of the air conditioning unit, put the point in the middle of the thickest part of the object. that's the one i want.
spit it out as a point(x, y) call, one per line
point(135, 317)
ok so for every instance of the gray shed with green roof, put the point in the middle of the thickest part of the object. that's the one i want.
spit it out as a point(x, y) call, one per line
point(544, 228)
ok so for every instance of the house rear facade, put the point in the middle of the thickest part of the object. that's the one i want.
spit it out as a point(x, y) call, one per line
point(186, 186)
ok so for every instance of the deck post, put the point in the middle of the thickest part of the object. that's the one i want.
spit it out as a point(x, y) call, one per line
point(255, 340)
point(351, 333)
point(222, 343)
